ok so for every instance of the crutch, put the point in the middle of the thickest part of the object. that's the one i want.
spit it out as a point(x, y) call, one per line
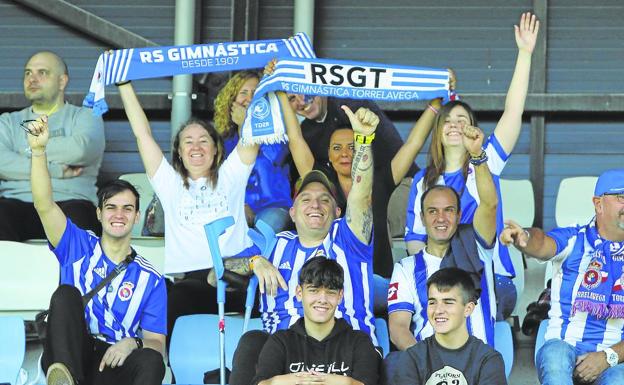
point(213, 231)
point(264, 238)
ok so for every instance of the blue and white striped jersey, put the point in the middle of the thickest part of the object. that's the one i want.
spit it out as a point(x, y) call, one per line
point(497, 159)
point(408, 292)
point(355, 257)
point(136, 298)
point(581, 330)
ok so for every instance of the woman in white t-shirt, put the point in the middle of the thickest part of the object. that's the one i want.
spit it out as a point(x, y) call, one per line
point(197, 188)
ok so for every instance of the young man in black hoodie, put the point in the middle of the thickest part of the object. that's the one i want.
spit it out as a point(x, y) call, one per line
point(451, 355)
point(319, 348)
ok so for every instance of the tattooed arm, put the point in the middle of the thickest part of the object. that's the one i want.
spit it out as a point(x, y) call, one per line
point(359, 214)
point(269, 278)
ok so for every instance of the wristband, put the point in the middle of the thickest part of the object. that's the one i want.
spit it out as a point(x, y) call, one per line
point(477, 160)
point(252, 260)
point(122, 83)
point(139, 342)
point(37, 154)
point(364, 139)
point(432, 108)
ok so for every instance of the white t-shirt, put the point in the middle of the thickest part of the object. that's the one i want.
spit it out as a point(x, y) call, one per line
point(188, 210)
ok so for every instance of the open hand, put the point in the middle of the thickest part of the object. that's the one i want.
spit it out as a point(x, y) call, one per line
point(269, 277)
point(116, 354)
point(526, 32)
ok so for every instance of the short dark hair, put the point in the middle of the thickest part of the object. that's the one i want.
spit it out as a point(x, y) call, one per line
point(322, 272)
point(439, 187)
point(115, 187)
point(450, 277)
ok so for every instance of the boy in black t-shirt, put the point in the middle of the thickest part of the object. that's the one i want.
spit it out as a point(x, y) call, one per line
point(318, 348)
point(451, 356)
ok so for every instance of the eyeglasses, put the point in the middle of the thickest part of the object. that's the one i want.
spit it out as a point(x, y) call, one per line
point(618, 196)
point(25, 123)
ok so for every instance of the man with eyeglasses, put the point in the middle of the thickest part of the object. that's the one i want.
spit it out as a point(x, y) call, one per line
point(586, 319)
point(74, 152)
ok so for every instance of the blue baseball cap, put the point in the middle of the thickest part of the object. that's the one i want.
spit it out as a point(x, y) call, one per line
point(610, 182)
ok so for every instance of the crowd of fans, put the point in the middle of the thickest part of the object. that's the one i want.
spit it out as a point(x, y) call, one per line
point(333, 253)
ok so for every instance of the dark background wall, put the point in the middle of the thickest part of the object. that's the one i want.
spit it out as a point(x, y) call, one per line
point(583, 59)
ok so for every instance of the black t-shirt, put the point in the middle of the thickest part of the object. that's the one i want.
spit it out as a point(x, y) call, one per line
point(383, 186)
point(429, 363)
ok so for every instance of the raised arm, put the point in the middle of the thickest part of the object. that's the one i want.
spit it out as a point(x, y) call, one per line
point(484, 221)
point(52, 218)
point(151, 154)
point(532, 242)
point(359, 213)
point(508, 127)
point(301, 153)
point(404, 158)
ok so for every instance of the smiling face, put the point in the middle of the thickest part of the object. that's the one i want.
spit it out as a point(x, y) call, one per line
point(319, 303)
point(440, 215)
point(447, 311)
point(44, 79)
point(118, 214)
point(197, 150)
point(314, 109)
point(313, 211)
point(610, 216)
point(341, 151)
point(455, 121)
point(246, 92)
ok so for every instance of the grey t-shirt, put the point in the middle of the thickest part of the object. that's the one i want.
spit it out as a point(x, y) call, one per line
point(429, 363)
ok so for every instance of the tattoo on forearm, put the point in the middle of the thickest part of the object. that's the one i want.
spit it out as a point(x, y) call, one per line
point(237, 265)
point(367, 222)
point(362, 162)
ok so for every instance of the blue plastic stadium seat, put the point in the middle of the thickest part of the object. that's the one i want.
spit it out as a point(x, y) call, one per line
point(12, 348)
point(539, 340)
point(194, 345)
point(383, 337)
point(503, 343)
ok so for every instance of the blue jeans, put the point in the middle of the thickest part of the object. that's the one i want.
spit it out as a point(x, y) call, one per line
point(556, 361)
point(276, 217)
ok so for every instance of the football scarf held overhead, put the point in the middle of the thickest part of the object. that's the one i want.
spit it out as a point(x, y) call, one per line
point(339, 79)
point(154, 62)
point(601, 292)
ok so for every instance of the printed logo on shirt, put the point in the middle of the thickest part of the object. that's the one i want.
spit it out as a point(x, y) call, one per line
point(285, 266)
point(393, 291)
point(125, 291)
point(333, 368)
point(101, 271)
point(594, 275)
point(447, 376)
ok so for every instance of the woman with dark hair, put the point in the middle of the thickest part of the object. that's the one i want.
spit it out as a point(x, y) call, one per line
point(449, 162)
point(200, 187)
point(268, 189)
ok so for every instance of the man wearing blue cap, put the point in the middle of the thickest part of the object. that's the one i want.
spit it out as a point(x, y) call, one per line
point(586, 319)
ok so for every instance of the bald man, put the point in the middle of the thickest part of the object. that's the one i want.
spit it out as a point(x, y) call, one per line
point(74, 152)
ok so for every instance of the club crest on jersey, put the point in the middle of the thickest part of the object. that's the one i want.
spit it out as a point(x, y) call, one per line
point(393, 291)
point(594, 275)
point(619, 284)
point(125, 291)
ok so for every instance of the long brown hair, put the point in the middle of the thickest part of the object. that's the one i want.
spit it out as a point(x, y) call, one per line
point(178, 165)
point(436, 162)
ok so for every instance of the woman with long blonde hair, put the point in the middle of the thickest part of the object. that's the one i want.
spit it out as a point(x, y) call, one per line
point(268, 189)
